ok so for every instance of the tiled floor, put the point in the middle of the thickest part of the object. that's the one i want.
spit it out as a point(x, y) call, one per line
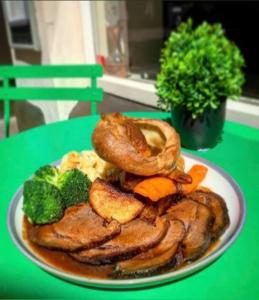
point(28, 116)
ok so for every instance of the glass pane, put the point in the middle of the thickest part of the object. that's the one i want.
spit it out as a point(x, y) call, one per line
point(111, 29)
point(17, 13)
point(131, 34)
point(21, 34)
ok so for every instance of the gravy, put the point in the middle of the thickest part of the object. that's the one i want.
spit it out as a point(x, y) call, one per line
point(62, 261)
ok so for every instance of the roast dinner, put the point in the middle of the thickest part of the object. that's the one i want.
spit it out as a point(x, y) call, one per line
point(127, 209)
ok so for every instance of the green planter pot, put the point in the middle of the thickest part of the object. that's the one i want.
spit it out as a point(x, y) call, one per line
point(202, 132)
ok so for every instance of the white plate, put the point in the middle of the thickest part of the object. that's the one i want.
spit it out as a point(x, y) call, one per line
point(216, 179)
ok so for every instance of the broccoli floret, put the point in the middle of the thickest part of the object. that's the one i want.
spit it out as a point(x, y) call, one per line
point(42, 202)
point(74, 186)
point(47, 173)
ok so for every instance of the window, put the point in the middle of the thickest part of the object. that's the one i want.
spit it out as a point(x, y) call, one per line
point(20, 24)
point(131, 34)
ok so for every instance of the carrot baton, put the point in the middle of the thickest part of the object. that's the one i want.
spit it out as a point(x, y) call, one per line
point(159, 187)
point(198, 173)
point(156, 188)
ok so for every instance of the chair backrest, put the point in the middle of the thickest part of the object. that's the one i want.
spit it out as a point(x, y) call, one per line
point(8, 93)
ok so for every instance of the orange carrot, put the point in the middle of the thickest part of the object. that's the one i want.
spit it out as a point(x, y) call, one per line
point(198, 173)
point(159, 187)
point(155, 188)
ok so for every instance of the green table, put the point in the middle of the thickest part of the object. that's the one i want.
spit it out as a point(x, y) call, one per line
point(234, 276)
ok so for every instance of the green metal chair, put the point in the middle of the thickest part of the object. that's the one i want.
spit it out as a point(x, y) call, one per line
point(8, 93)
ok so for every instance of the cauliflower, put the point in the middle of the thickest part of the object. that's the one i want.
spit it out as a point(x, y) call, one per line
point(90, 164)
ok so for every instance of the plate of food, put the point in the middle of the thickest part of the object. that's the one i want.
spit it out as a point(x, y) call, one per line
point(134, 212)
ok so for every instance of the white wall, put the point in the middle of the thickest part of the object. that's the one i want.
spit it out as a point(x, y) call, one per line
point(60, 30)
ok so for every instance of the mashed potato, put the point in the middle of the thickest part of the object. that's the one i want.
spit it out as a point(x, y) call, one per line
point(90, 164)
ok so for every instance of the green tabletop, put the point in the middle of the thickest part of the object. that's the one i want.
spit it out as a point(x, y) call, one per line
point(235, 275)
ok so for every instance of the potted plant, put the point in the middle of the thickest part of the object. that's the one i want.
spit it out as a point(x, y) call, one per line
point(200, 69)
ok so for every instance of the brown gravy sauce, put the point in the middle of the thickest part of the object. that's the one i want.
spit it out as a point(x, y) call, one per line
point(62, 261)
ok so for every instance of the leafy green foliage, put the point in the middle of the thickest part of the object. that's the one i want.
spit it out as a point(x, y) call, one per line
point(42, 202)
point(47, 173)
point(199, 68)
point(74, 186)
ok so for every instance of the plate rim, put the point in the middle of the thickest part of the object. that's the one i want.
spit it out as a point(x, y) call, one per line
point(133, 283)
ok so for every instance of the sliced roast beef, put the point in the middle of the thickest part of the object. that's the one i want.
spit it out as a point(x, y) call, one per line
point(135, 237)
point(80, 228)
point(218, 206)
point(198, 220)
point(149, 213)
point(164, 204)
point(155, 209)
point(153, 260)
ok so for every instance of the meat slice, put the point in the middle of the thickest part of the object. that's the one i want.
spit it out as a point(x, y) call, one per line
point(149, 213)
point(164, 204)
point(135, 237)
point(153, 260)
point(80, 228)
point(198, 221)
point(155, 209)
point(219, 208)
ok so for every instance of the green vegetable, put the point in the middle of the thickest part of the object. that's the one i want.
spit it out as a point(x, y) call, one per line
point(48, 193)
point(47, 173)
point(42, 202)
point(74, 186)
point(199, 68)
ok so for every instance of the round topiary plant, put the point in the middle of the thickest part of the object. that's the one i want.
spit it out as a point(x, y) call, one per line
point(200, 68)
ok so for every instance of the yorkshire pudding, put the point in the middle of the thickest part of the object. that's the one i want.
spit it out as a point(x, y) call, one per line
point(143, 147)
